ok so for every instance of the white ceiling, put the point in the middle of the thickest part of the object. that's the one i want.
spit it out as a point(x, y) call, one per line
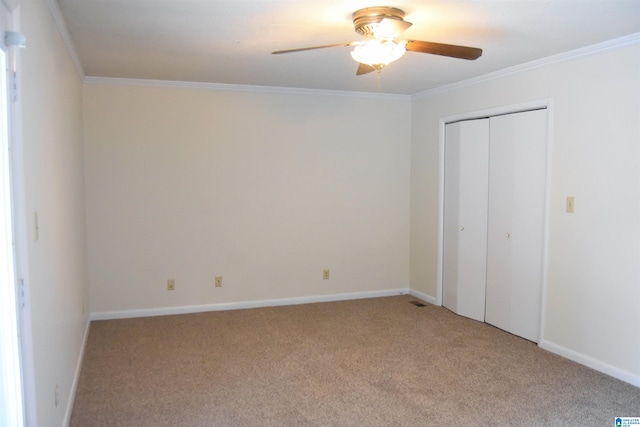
point(230, 41)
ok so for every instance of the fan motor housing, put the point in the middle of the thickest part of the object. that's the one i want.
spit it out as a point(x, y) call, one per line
point(365, 20)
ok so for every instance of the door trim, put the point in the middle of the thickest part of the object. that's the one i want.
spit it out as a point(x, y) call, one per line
point(545, 103)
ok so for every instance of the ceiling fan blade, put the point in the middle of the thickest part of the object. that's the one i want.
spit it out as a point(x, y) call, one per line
point(364, 69)
point(454, 51)
point(390, 28)
point(277, 52)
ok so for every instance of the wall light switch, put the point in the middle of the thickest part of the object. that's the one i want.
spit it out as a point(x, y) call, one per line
point(570, 204)
point(36, 227)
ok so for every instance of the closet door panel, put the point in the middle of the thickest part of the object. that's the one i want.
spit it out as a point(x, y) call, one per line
point(465, 217)
point(529, 222)
point(451, 217)
point(516, 225)
point(500, 236)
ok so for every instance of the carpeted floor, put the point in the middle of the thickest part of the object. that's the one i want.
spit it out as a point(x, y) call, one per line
point(371, 362)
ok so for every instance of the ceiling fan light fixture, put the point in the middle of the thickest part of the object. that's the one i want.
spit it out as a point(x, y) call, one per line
point(378, 53)
point(380, 26)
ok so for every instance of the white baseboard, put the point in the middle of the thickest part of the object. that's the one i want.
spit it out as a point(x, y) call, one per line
point(76, 377)
point(592, 363)
point(423, 297)
point(164, 311)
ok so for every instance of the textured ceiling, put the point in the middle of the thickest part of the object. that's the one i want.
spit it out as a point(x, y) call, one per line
point(230, 41)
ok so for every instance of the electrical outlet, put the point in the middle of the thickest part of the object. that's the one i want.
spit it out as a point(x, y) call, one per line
point(56, 396)
point(218, 281)
point(325, 274)
point(171, 285)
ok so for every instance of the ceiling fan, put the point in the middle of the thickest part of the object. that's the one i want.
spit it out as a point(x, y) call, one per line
point(381, 26)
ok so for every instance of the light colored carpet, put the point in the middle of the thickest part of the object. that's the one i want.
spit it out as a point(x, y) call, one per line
point(372, 362)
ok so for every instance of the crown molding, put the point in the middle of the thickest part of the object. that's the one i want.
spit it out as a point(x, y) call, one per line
point(115, 81)
point(54, 9)
point(532, 65)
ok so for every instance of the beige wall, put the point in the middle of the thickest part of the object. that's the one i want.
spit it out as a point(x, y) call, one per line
point(592, 292)
point(263, 189)
point(51, 97)
point(268, 189)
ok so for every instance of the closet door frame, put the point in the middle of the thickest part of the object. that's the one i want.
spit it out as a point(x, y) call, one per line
point(507, 109)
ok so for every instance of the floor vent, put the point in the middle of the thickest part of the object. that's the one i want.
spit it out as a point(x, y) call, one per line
point(417, 303)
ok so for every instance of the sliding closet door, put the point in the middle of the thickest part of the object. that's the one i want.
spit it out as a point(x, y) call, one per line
point(516, 222)
point(465, 217)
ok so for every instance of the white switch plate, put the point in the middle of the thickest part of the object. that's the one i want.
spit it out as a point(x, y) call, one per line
point(36, 227)
point(570, 204)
